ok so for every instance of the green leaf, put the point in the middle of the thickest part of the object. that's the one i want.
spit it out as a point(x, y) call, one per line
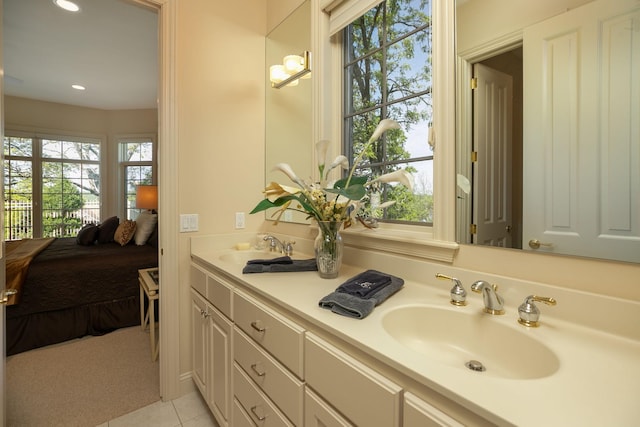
point(266, 203)
point(353, 192)
point(355, 180)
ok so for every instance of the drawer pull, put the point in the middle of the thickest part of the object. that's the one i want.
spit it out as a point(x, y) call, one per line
point(255, 326)
point(254, 367)
point(258, 417)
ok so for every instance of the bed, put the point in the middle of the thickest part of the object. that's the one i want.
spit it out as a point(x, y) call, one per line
point(71, 290)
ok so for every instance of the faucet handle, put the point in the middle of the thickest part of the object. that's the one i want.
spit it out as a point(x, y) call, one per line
point(288, 248)
point(529, 313)
point(458, 294)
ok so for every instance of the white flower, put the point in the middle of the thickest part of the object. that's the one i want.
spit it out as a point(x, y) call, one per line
point(287, 170)
point(382, 127)
point(401, 176)
point(339, 161)
point(321, 153)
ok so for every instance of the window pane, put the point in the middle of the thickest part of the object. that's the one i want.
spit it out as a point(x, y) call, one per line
point(51, 149)
point(22, 147)
point(388, 75)
point(18, 199)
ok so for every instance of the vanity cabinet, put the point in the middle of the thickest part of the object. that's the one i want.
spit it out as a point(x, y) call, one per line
point(258, 365)
point(211, 332)
point(268, 355)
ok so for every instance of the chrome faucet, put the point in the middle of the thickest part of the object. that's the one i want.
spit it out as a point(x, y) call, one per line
point(529, 314)
point(493, 303)
point(276, 245)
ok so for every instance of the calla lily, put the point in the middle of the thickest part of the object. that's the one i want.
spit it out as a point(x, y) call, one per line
point(382, 127)
point(386, 204)
point(401, 176)
point(287, 170)
point(275, 190)
point(339, 161)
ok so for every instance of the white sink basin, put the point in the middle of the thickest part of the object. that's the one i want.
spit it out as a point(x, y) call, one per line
point(457, 336)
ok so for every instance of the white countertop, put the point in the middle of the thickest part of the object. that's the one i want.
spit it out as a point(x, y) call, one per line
point(597, 382)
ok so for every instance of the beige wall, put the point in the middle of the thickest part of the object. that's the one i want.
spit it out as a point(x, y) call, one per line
point(220, 106)
point(23, 114)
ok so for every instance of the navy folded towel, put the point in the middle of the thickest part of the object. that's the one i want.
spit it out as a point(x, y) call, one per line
point(365, 284)
point(350, 305)
point(279, 260)
point(293, 266)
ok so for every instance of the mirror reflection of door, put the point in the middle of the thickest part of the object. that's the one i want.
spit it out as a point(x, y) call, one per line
point(582, 145)
point(497, 148)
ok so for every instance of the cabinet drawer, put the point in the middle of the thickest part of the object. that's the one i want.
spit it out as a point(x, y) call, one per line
point(281, 337)
point(283, 388)
point(199, 280)
point(364, 396)
point(240, 416)
point(418, 413)
point(219, 294)
point(317, 413)
point(262, 411)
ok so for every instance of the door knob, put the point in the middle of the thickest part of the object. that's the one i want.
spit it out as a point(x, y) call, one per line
point(5, 294)
point(535, 244)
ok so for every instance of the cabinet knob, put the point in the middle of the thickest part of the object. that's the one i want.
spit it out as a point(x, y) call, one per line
point(255, 414)
point(254, 368)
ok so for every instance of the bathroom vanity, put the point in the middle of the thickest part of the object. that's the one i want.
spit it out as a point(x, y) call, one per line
point(265, 353)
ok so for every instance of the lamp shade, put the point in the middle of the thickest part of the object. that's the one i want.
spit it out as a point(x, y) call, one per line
point(147, 197)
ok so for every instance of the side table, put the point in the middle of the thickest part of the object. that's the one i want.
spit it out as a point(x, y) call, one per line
point(149, 288)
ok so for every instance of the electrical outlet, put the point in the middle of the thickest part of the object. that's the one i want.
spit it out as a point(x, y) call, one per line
point(239, 220)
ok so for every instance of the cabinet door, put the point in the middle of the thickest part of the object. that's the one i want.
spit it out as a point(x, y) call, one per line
point(199, 338)
point(317, 413)
point(418, 413)
point(218, 362)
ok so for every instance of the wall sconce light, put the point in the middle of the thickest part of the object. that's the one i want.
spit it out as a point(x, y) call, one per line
point(293, 67)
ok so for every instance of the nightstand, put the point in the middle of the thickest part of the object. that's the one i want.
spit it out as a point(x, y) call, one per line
point(149, 290)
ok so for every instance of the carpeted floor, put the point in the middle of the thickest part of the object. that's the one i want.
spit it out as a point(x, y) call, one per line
point(83, 382)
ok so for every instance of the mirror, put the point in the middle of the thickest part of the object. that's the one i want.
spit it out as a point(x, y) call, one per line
point(546, 145)
point(288, 129)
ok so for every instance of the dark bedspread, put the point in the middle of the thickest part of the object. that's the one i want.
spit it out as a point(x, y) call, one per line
point(73, 290)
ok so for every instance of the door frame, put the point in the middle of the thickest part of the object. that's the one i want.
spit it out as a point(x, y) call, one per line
point(464, 119)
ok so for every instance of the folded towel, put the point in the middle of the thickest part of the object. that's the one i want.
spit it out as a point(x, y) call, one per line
point(365, 283)
point(279, 260)
point(353, 306)
point(295, 265)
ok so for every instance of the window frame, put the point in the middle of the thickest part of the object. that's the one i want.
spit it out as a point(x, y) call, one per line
point(438, 241)
point(38, 160)
point(123, 165)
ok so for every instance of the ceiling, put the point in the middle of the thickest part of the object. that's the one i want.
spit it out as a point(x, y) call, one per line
point(110, 47)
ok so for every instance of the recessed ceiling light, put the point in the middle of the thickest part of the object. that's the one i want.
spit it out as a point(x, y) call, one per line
point(78, 87)
point(67, 5)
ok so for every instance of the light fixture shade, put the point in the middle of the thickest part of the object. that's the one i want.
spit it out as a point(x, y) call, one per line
point(277, 73)
point(147, 197)
point(293, 64)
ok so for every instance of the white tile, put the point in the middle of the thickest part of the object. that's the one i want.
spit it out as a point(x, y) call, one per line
point(159, 414)
point(202, 420)
point(190, 406)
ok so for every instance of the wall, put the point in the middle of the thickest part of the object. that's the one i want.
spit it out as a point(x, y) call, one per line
point(220, 88)
point(31, 115)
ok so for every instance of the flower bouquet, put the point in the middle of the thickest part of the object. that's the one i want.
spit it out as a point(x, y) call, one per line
point(330, 202)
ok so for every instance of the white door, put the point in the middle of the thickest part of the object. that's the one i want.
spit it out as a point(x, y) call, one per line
point(581, 117)
point(492, 142)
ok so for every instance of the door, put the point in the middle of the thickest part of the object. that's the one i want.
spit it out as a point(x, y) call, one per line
point(3, 406)
point(492, 143)
point(580, 117)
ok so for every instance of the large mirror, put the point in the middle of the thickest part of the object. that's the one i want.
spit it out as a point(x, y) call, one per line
point(288, 132)
point(548, 155)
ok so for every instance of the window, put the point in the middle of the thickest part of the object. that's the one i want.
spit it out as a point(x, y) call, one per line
point(387, 74)
point(52, 186)
point(137, 167)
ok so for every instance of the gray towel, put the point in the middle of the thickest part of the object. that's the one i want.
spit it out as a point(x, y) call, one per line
point(295, 265)
point(359, 308)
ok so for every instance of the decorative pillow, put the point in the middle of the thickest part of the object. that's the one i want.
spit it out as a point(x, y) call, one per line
point(125, 231)
point(145, 223)
point(107, 229)
point(87, 235)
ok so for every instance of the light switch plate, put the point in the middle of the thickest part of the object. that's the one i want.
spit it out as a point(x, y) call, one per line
point(239, 220)
point(188, 223)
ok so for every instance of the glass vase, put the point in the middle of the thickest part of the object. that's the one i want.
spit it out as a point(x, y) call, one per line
point(328, 248)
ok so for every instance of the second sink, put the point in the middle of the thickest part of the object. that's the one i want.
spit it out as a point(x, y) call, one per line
point(456, 337)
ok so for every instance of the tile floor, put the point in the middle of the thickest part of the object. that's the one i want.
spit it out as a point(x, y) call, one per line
point(186, 411)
